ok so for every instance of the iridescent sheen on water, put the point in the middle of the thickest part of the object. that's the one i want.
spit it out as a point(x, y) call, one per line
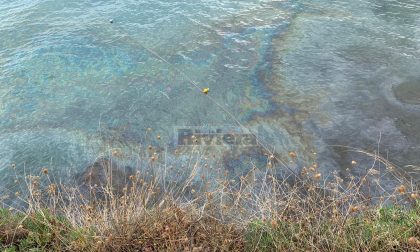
point(305, 75)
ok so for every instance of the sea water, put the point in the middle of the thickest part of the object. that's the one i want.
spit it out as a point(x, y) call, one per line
point(308, 76)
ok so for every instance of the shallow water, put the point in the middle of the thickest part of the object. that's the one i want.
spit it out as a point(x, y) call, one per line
point(306, 75)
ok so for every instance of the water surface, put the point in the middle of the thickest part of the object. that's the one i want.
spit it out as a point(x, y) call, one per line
point(306, 75)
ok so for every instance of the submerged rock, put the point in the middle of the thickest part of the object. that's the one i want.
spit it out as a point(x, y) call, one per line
point(408, 92)
point(104, 174)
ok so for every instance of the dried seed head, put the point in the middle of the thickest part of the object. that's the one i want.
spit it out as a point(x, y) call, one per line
point(293, 154)
point(401, 189)
point(45, 170)
point(413, 241)
point(354, 209)
point(52, 189)
point(317, 176)
point(116, 153)
point(274, 223)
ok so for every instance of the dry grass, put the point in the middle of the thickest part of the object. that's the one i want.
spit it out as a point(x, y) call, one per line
point(263, 210)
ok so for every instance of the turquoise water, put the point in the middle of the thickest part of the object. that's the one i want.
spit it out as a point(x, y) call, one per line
point(305, 75)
